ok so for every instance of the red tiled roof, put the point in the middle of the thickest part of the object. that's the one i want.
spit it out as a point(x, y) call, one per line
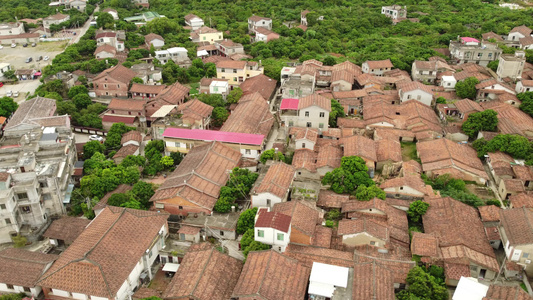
point(255, 18)
point(521, 200)
point(126, 104)
point(95, 263)
point(189, 230)
point(118, 72)
point(231, 64)
point(329, 156)
point(252, 115)
point(314, 100)
point(359, 146)
point(126, 150)
point(261, 84)
point(372, 280)
point(146, 89)
point(132, 135)
point(304, 216)
point(152, 36)
point(22, 267)
point(369, 226)
point(277, 180)
point(424, 244)
point(379, 64)
point(330, 199)
point(272, 276)
point(489, 213)
point(204, 273)
point(524, 30)
point(517, 223)
point(118, 119)
point(500, 292)
point(268, 219)
point(66, 228)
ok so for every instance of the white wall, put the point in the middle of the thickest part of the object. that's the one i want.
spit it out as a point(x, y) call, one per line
point(270, 237)
point(79, 296)
point(254, 154)
point(417, 95)
point(305, 142)
point(314, 117)
point(405, 191)
point(157, 43)
point(260, 200)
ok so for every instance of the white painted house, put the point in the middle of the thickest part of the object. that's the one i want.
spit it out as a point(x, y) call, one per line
point(518, 33)
point(92, 258)
point(176, 54)
point(416, 91)
point(20, 270)
point(313, 111)
point(448, 82)
point(377, 67)
point(325, 279)
point(272, 228)
point(274, 188)
point(219, 87)
point(4, 67)
point(521, 86)
point(193, 21)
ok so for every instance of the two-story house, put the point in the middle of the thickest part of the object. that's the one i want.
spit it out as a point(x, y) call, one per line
point(467, 49)
point(264, 35)
point(177, 54)
point(37, 156)
point(303, 17)
point(193, 21)
point(272, 228)
point(517, 240)
point(521, 87)
point(128, 111)
point(113, 82)
point(416, 90)
point(13, 28)
point(394, 11)
point(229, 48)
point(313, 111)
point(237, 71)
point(511, 65)
point(518, 33)
point(206, 34)
point(377, 67)
point(426, 71)
point(92, 257)
point(255, 22)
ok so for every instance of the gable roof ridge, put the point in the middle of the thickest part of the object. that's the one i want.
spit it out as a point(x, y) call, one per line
point(265, 273)
point(192, 200)
point(24, 260)
point(105, 233)
point(449, 153)
point(202, 272)
point(102, 272)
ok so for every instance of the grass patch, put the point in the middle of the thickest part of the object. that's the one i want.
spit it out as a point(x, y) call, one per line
point(195, 87)
point(409, 151)
point(523, 286)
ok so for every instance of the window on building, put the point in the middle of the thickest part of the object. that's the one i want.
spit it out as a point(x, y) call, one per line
point(418, 97)
point(204, 38)
point(479, 55)
point(372, 243)
point(408, 97)
point(280, 236)
point(26, 209)
point(2, 206)
point(8, 221)
point(105, 86)
point(525, 255)
point(247, 151)
point(320, 125)
point(308, 124)
point(10, 287)
point(322, 114)
point(303, 145)
point(222, 70)
point(260, 233)
point(234, 70)
point(221, 233)
point(307, 114)
point(234, 78)
point(27, 289)
point(21, 196)
point(47, 197)
point(180, 207)
point(291, 123)
point(43, 184)
point(215, 89)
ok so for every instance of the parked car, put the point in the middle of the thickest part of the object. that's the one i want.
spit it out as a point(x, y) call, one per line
point(13, 45)
point(46, 58)
point(9, 94)
point(33, 44)
point(95, 137)
point(25, 45)
point(15, 94)
point(29, 59)
point(39, 58)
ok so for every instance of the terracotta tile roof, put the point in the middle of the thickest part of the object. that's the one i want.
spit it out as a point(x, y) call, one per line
point(524, 173)
point(526, 41)
point(195, 110)
point(383, 133)
point(379, 64)
point(304, 159)
point(54, 121)
point(443, 153)
point(412, 181)
point(152, 36)
point(315, 62)
point(467, 241)
point(22, 267)
point(66, 228)
point(399, 263)
point(126, 104)
point(189, 17)
point(334, 133)
point(277, 180)
point(118, 72)
point(359, 146)
point(489, 213)
point(200, 175)
point(255, 18)
point(95, 263)
point(272, 276)
point(123, 188)
point(144, 292)
point(424, 244)
point(502, 168)
point(330, 199)
point(349, 67)
point(350, 94)
point(342, 76)
point(454, 271)
point(189, 230)
point(115, 119)
point(304, 216)
point(299, 133)
point(4, 176)
point(105, 48)
point(105, 34)
point(205, 29)
point(524, 30)
point(252, 115)
point(521, 200)
point(270, 219)
point(261, 84)
point(314, 100)
point(492, 35)
point(492, 233)
point(215, 59)
point(500, 292)
point(204, 274)
point(468, 106)
point(364, 225)
point(411, 167)
point(518, 225)
point(322, 237)
point(231, 64)
point(31, 110)
point(126, 150)
point(172, 95)
point(350, 123)
point(309, 254)
point(329, 156)
point(514, 185)
point(414, 85)
point(499, 156)
point(132, 135)
point(146, 89)
point(372, 281)
point(388, 150)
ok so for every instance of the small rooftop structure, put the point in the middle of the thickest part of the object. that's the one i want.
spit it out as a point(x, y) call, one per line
point(325, 278)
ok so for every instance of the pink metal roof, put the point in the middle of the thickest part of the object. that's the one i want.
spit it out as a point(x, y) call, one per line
point(212, 135)
point(469, 39)
point(289, 103)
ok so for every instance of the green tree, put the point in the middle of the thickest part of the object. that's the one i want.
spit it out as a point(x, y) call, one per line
point(364, 193)
point(118, 199)
point(493, 65)
point(416, 210)
point(19, 241)
point(133, 160)
point(346, 179)
point(142, 192)
point(137, 80)
point(167, 161)
point(423, 286)
point(271, 154)
point(76, 90)
point(234, 95)
point(219, 116)
point(441, 100)
point(105, 21)
point(91, 147)
point(114, 135)
point(337, 111)
point(177, 157)
point(246, 220)
point(223, 205)
point(247, 238)
point(255, 246)
point(82, 101)
point(467, 88)
point(527, 102)
point(486, 120)
point(329, 60)
point(7, 106)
